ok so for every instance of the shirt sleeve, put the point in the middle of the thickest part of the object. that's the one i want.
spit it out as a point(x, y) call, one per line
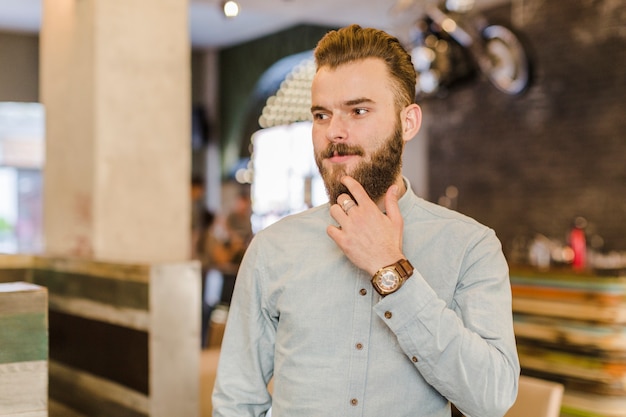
point(464, 348)
point(246, 360)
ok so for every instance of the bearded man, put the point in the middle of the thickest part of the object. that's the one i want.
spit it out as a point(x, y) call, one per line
point(378, 303)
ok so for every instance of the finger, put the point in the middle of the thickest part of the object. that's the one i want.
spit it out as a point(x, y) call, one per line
point(347, 205)
point(356, 189)
point(337, 213)
point(333, 232)
point(344, 200)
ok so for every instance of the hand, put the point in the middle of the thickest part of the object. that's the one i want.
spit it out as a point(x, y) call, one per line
point(370, 238)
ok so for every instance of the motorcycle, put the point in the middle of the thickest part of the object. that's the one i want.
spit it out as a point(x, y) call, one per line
point(449, 45)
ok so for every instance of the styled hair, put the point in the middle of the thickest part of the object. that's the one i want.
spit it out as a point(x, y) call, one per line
point(354, 43)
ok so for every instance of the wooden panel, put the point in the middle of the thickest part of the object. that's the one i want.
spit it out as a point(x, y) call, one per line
point(80, 266)
point(56, 409)
point(23, 388)
point(93, 396)
point(23, 323)
point(124, 339)
point(13, 275)
point(16, 261)
point(103, 349)
point(22, 338)
point(106, 290)
point(23, 350)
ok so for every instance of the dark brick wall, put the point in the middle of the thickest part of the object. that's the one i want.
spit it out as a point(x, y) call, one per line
point(530, 164)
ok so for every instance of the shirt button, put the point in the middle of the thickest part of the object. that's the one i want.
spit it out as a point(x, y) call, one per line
point(363, 291)
point(354, 401)
point(414, 359)
point(359, 346)
point(388, 314)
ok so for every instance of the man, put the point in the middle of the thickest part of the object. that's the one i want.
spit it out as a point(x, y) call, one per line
point(314, 306)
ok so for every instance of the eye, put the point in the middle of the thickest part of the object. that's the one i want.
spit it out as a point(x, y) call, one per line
point(360, 111)
point(320, 116)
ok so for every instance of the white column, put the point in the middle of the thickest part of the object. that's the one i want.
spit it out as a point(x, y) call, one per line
point(115, 82)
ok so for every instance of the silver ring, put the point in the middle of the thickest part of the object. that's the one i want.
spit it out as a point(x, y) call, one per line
point(347, 205)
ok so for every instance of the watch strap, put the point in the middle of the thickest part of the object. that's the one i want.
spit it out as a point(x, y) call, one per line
point(404, 268)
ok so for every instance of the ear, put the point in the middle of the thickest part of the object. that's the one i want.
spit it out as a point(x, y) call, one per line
point(411, 121)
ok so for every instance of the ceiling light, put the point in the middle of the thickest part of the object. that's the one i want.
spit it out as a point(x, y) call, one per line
point(231, 8)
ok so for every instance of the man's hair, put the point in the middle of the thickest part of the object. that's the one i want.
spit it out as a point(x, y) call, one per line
point(354, 43)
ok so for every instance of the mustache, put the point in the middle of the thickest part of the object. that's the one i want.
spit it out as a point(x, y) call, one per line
point(342, 149)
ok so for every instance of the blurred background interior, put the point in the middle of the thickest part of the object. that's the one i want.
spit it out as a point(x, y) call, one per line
point(141, 137)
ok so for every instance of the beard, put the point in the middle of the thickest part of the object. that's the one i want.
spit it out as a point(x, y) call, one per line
point(375, 174)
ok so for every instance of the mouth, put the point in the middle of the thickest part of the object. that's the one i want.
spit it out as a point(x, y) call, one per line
point(340, 159)
point(339, 152)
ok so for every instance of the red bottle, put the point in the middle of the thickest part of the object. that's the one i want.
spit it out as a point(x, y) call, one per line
point(578, 243)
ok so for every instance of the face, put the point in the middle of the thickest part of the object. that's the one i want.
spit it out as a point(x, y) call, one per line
point(376, 172)
point(357, 130)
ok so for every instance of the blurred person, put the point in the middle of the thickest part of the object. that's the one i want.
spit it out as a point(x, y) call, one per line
point(223, 245)
point(201, 224)
point(232, 235)
point(378, 303)
point(198, 226)
point(204, 249)
point(239, 225)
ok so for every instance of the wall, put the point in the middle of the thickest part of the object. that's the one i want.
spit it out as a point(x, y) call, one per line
point(523, 165)
point(530, 164)
point(19, 67)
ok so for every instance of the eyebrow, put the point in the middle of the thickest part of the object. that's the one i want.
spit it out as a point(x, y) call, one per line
point(348, 103)
point(358, 101)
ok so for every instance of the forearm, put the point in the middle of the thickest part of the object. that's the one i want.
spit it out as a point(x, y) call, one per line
point(464, 348)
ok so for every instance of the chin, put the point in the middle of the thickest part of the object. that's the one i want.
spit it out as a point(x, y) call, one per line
point(343, 168)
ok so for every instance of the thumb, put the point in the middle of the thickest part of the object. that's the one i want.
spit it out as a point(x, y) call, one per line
point(391, 205)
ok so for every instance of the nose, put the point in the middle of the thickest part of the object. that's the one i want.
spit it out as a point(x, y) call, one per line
point(337, 130)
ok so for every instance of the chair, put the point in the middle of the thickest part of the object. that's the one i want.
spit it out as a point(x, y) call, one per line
point(537, 398)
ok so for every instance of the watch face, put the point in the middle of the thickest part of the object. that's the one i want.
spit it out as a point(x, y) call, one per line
point(388, 281)
point(390, 278)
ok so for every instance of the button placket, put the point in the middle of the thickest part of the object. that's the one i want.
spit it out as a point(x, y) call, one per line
point(361, 323)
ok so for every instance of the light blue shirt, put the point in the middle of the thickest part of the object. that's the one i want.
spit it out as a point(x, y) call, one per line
point(303, 314)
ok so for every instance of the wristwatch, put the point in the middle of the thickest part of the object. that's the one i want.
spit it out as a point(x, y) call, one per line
point(390, 278)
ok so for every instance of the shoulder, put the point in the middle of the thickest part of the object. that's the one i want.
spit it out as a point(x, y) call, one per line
point(428, 211)
point(427, 216)
point(295, 228)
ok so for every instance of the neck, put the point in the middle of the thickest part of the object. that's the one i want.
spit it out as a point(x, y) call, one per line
point(399, 182)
